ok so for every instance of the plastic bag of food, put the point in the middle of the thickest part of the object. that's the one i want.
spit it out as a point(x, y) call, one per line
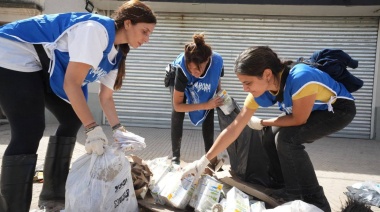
point(101, 183)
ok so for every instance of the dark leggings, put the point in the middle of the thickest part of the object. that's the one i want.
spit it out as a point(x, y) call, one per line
point(23, 98)
point(177, 127)
point(285, 146)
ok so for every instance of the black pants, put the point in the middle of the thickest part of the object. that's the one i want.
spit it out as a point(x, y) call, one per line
point(177, 128)
point(287, 154)
point(23, 98)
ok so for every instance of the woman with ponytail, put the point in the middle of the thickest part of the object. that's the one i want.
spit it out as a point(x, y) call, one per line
point(46, 62)
point(313, 104)
point(197, 80)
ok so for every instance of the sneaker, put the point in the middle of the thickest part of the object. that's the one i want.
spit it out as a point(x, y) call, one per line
point(176, 160)
point(51, 205)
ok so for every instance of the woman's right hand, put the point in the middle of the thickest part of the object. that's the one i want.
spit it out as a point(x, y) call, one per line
point(196, 168)
point(215, 102)
point(95, 141)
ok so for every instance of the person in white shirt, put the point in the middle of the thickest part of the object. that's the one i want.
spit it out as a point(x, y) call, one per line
point(82, 48)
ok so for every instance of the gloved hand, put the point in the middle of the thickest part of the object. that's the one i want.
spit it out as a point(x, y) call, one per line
point(255, 123)
point(95, 141)
point(196, 168)
point(118, 132)
point(128, 141)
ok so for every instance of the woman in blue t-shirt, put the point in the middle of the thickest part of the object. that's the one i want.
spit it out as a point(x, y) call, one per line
point(314, 105)
point(81, 48)
point(197, 79)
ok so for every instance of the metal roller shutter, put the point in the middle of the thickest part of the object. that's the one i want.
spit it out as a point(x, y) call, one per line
point(144, 101)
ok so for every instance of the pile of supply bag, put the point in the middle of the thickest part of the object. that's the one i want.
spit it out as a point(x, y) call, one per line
point(209, 194)
point(115, 180)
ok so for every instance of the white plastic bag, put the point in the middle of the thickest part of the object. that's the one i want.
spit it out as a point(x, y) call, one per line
point(129, 141)
point(159, 168)
point(295, 206)
point(367, 192)
point(101, 183)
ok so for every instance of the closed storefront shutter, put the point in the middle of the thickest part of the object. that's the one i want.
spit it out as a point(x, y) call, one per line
point(144, 101)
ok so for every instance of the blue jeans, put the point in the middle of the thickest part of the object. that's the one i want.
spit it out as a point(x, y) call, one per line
point(284, 146)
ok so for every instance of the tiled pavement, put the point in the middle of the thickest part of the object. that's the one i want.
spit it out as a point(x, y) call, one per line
point(338, 162)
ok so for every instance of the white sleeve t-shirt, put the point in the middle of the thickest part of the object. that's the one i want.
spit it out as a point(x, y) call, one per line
point(85, 43)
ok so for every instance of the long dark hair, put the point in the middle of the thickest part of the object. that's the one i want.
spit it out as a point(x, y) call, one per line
point(198, 51)
point(254, 60)
point(136, 12)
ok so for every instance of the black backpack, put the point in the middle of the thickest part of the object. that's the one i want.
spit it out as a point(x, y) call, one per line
point(335, 63)
point(170, 75)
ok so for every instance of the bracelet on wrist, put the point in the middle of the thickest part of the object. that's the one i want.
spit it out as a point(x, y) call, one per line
point(121, 128)
point(116, 126)
point(261, 122)
point(90, 127)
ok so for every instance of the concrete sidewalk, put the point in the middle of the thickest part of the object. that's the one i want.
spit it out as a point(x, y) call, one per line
point(338, 162)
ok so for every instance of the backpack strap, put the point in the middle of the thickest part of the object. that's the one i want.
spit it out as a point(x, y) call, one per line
point(170, 75)
point(307, 62)
point(45, 63)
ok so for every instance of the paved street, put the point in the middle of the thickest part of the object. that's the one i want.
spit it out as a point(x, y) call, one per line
point(338, 162)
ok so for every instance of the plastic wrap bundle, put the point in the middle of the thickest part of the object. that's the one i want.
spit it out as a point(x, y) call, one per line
point(366, 192)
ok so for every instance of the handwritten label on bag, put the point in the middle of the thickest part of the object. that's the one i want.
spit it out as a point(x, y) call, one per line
point(121, 199)
point(121, 185)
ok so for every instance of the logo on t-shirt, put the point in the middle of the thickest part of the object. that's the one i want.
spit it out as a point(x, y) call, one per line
point(287, 110)
point(200, 86)
point(94, 75)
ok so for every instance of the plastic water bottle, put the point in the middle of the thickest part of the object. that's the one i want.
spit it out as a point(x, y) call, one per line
point(227, 106)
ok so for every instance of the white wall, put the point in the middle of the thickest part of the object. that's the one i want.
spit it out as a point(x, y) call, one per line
point(59, 6)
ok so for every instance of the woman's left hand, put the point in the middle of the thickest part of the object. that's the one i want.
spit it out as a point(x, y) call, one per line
point(255, 123)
